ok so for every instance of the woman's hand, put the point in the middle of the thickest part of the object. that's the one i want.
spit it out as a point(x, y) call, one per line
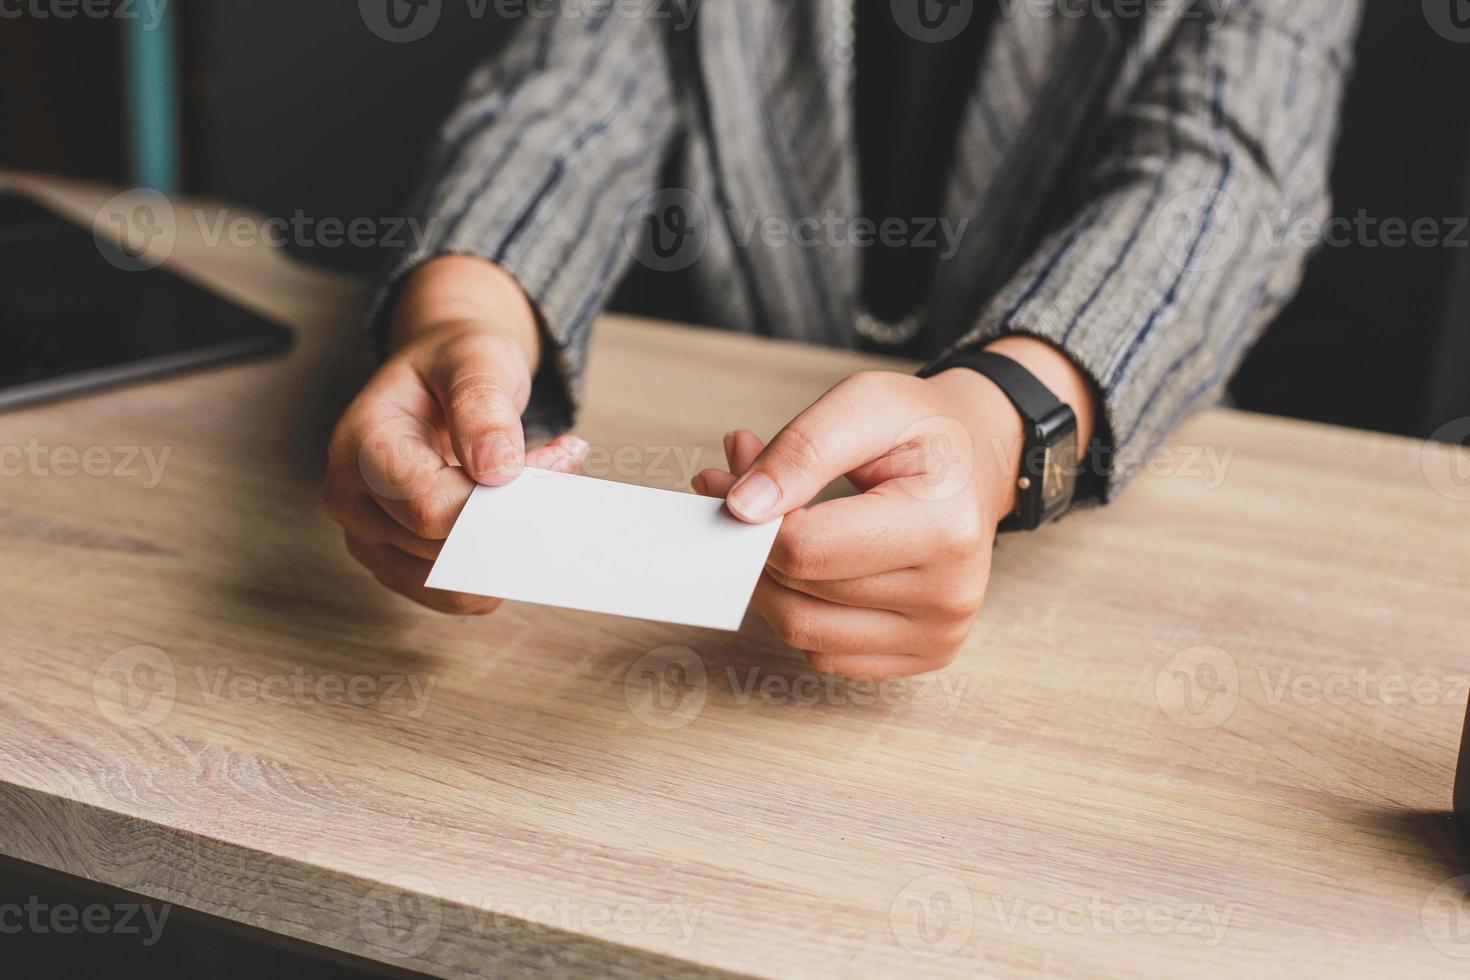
point(888, 582)
point(442, 414)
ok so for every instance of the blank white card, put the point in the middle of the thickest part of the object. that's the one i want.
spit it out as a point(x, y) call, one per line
point(583, 543)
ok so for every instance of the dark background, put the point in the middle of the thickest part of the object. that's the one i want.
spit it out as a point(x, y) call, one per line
point(291, 104)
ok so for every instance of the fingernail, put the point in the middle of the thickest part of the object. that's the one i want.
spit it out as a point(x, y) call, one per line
point(697, 482)
point(495, 454)
point(755, 496)
point(729, 444)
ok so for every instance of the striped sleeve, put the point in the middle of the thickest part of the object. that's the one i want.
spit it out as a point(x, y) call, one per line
point(1188, 239)
point(551, 146)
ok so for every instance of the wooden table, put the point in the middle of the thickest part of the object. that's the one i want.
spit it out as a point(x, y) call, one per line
point(1210, 730)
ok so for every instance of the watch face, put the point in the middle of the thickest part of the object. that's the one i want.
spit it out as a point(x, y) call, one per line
point(1059, 476)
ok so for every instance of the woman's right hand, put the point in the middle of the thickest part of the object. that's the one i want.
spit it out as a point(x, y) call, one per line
point(442, 414)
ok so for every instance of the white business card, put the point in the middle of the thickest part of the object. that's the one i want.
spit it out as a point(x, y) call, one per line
point(599, 546)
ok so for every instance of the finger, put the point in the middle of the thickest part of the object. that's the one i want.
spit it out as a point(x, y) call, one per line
point(482, 385)
point(362, 517)
point(712, 483)
point(397, 458)
point(878, 531)
point(889, 466)
point(564, 454)
point(706, 482)
point(956, 594)
point(741, 449)
point(406, 574)
point(818, 626)
point(845, 428)
point(898, 591)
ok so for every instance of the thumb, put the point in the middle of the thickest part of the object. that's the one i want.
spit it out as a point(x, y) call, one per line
point(482, 384)
point(837, 434)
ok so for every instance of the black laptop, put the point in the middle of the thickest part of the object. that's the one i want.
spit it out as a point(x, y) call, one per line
point(77, 313)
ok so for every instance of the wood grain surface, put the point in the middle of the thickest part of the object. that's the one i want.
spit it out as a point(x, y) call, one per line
point(1210, 730)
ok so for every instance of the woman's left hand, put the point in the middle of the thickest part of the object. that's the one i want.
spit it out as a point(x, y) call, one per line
point(888, 582)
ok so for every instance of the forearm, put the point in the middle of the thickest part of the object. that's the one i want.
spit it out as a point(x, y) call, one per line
point(1173, 260)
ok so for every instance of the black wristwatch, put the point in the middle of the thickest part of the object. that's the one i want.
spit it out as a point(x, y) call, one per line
point(1048, 479)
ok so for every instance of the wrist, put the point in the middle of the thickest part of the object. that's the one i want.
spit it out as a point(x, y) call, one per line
point(997, 433)
point(997, 427)
point(457, 293)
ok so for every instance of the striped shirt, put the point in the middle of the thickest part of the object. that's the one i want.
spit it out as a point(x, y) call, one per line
point(1123, 184)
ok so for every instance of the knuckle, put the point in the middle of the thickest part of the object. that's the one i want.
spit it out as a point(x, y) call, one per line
point(968, 599)
point(946, 604)
point(419, 547)
point(966, 535)
point(425, 515)
point(798, 450)
point(795, 627)
point(952, 636)
point(797, 556)
point(944, 658)
point(798, 636)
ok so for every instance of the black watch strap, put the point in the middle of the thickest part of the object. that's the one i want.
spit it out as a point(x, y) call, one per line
point(1033, 400)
